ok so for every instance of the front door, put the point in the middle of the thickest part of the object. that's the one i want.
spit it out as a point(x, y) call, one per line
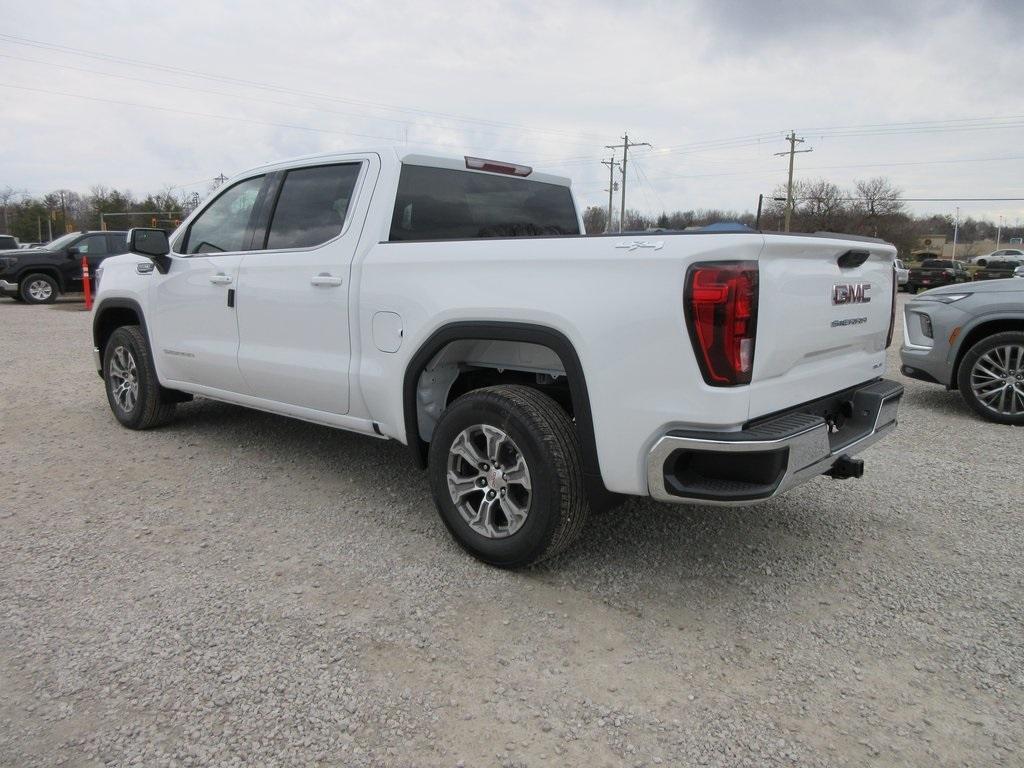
point(293, 296)
point(193, 323)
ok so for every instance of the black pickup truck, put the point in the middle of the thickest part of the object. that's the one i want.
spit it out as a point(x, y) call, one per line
point(999, 270)
point(937, 272)
point(39, 275)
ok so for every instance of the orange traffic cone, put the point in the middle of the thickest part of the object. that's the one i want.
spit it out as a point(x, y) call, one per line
point(85, 284)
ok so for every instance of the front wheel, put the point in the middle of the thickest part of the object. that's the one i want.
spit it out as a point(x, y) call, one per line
point(38, 289)
point(506, 475)
point(133, 390)
point(991, 377)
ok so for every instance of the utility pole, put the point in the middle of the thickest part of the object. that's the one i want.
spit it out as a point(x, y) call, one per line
point(624, 146)
point(999, 232)
point(613, 185)
point(793, 141)
point(220, 180)
point(956, 231)
point(63, 213)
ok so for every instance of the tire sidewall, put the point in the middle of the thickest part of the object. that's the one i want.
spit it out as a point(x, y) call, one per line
point(967, 365)
point(123, 338)
point(526, 544)
point(28, 280)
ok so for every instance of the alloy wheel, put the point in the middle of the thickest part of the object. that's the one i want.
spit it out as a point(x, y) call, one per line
point(489, 481)
point(997, 379)
point(124, 379)
point(40, 290)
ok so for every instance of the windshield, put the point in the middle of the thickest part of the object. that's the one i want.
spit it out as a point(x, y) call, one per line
point(63, 242)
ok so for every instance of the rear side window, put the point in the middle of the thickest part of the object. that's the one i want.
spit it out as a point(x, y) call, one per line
point(312, 206)
point(7, 243)
point(224, 224)
point(445, 204)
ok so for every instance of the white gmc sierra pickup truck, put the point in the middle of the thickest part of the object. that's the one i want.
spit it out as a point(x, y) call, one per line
point(455, 305)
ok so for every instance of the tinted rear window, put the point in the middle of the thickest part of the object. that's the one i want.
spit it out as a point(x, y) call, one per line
point(936, 264)
point(445, 204)
point(313, 204)
point(7, 242)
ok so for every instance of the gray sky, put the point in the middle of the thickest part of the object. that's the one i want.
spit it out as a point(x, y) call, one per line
point(713, 86)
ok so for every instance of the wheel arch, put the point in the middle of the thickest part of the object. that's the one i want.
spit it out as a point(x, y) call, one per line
point(44, 269)
point(110, 314)
point(528, 333)
point(979, 331)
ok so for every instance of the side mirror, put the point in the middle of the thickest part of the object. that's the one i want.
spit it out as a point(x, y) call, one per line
point(153, 244)
point(74, 252)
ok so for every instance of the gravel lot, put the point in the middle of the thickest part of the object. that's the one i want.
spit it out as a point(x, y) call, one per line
point(242, 589)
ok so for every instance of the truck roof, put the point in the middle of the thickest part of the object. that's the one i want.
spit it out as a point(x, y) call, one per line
point(454, 162)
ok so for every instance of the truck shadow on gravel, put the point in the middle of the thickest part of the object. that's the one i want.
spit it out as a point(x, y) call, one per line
point(688, 554)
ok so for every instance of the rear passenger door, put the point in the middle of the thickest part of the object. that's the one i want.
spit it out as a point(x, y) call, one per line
point(293, 295)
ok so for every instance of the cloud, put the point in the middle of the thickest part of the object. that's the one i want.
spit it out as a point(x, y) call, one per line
point(544, 83)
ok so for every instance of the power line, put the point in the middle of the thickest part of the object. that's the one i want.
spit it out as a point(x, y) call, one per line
point(17, 40)
point(235, 118)
point(247, 98)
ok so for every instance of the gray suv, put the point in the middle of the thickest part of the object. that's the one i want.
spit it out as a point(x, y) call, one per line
point(970, 337)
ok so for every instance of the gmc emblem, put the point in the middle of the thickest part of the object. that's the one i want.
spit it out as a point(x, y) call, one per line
point(851, 293)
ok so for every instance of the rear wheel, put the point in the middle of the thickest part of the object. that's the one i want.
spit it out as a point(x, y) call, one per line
point(991, 377)
point(38, 289)
point(133, 390)
point(506, 475)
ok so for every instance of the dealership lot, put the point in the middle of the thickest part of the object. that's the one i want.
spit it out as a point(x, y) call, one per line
point(238, 588)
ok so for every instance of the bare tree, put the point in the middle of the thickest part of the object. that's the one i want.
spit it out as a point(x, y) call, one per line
point(7, 196)
point(877, 197)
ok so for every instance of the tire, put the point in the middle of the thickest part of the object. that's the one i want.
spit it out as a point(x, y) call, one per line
point(991, 377)
point(38, 288)
point(133, 390)
point(521, 427)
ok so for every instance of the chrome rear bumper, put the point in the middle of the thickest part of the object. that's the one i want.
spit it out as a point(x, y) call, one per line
point(773, 455)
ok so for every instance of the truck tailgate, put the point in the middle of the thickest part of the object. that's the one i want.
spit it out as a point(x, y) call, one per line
point(824, 309)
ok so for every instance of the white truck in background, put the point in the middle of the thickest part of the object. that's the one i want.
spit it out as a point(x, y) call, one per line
point(455, 305)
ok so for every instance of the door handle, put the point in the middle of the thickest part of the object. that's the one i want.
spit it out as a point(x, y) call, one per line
point(221, 279)
point(325, 278)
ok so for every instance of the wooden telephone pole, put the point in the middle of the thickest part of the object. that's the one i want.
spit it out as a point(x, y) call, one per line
point(624, 146)
point(793, 141)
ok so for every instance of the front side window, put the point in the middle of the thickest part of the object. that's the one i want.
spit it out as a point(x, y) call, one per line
point(312, 206)
point(224, 225)
point(93, 245)
point(446, 204)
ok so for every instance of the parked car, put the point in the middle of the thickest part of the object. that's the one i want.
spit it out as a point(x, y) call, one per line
point(937, 272)
point(451, 304)
point(9, 243)
point(902, 275)
point(1000, 255)
point(39, 275)
point(998, 270)
point(971, 338)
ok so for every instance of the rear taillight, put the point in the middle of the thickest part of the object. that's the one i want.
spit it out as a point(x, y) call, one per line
point(720, 303)
point(892, 310)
